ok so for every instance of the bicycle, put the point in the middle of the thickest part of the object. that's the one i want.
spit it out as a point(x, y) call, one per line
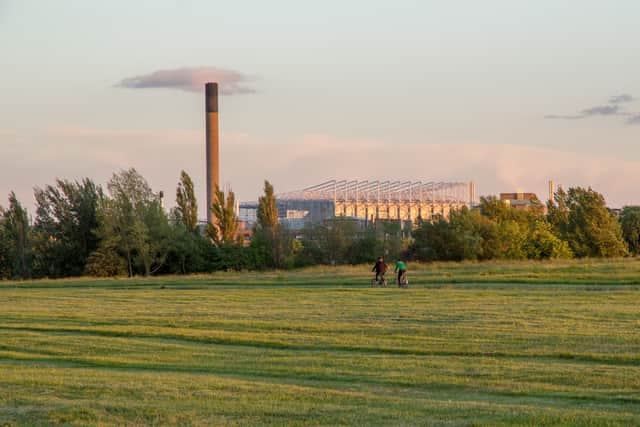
point(404, 280)
point(379, 280)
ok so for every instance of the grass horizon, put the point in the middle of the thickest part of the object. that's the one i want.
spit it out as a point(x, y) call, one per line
point(618, 271)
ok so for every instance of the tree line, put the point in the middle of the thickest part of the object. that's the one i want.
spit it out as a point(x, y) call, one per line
point(80, 228)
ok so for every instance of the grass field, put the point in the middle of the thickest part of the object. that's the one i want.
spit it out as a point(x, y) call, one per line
point(468, 344)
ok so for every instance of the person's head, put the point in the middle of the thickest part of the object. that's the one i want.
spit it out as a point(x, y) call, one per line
point(379, 258)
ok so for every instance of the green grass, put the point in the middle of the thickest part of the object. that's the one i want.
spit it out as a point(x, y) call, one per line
point(468, 344)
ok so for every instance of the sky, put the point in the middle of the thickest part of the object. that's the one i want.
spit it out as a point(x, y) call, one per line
point(506, 93)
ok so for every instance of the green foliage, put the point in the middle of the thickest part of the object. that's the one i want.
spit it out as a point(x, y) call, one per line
point(512, 237)
point(78, 229)
point(507, 233)
point(6, 249)
point(328, 243)
point(189, 252)
point(543, 244)
point(106, 262)
point(367, 247)
point(581, 218)
point(495, 231)
point(187, 205)
point(132, 221)
point(17, 239)
point(433, 241)
point(233, 257)
point(224, 227)
point(345, 241)
point(467, 235)
point(267, 210)
point(65, 227)
point(270, 240)
point(630, 222)
point(393, 242)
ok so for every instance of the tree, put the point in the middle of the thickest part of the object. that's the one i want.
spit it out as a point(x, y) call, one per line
point(269, 237)
point(65, 227)
point(512, 228)
point(472, 235)
point(6, 249)
point(189, 252)
point(224, 227)
point(494, 209)
point(630, 222)
point(267, 209)
point(152, 237)
point(333, 242)
point(106, 262)
point(581, 218)
point(433, 241)
point(543, 244)
point(468, 235)
point(392, 245)
point(187, 205)
point(365, 248)
point(17, 231)
point(133, 223)
point(340, 235)
point(511, 239)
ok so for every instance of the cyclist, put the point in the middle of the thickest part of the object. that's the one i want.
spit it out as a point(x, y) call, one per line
point(401, 269)
point(380, 268)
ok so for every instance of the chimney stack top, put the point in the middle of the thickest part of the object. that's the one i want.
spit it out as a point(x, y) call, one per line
point(211, 97)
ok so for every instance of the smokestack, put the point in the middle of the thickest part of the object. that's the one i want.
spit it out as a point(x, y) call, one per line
point(161, 197)
point(472, 194)
point(213, 145)
point(552, 191)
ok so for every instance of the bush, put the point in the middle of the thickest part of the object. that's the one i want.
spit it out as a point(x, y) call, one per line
point(105, 262)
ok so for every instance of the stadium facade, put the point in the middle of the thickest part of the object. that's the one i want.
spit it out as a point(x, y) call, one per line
point(368, 201)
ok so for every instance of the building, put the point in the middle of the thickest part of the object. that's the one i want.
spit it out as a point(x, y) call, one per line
point(519, 200)
point(368, 201)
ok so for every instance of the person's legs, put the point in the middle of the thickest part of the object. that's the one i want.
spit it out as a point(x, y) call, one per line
point(401, 277)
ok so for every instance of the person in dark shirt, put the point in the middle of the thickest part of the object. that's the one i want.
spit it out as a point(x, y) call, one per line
point(380, 269)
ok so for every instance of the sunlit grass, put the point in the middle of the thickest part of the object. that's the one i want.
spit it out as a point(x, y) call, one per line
point(525, 343)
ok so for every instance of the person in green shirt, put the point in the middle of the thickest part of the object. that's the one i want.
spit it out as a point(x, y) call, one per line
point(401, 269)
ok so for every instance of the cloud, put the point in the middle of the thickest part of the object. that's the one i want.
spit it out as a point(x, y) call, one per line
point(634, 120)
point(230, 82)
point(610, 109)
point(564, 117)
point(601, 110)
point(621, 99)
